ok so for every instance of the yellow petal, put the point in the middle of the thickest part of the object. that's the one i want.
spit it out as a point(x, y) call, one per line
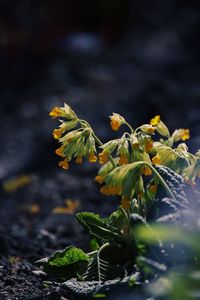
point(154, 121)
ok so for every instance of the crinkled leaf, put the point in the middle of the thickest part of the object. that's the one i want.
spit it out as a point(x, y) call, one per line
point(167, 154)
point(65, 264)
point(68, 256)
point(99, 228)
point(92, 287)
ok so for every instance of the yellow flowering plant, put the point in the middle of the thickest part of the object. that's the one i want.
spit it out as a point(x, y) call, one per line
point(143, 164)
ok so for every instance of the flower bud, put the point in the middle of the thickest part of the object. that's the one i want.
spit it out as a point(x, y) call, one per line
point(162, 129)
point(147, 128)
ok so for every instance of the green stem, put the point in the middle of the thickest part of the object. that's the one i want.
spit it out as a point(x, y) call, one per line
point(103, 247)
point(98, 257)
point(84, 124)
point(126, 215)
point(162, 181)
point(92, 253)
point(136, 130)
point(129, 126)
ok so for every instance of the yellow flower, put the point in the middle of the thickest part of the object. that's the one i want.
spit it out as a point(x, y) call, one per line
point(78, 160)
point(105, 190)
point(181, 134)
point(116, 121)
point(156, 160)
point(103, 157)
point(99, 179)
point(56, 112)
point(146, 171)
point(185, 134)
point(154, 121)
point(125, 203)
point(92, 157)
point(123, 160)
point(57, 133)
point(148, 146)
point(60, 151)
point(64, 164)
point(140, 194)
point(117, 190)
point(153, 188)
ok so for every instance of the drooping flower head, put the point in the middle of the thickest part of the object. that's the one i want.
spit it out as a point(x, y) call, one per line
point(156, 160)
point(78, 160)
point(103, 157)
point(64, 164)
point(56, 112)
point(147, 128)
point(60, 151)
point(185, 134)
point(92, 157)
point(181, 134)
point(116, 121)
point(146, 171)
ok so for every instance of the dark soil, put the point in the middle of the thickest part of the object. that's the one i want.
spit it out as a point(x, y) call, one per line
point(152, 68)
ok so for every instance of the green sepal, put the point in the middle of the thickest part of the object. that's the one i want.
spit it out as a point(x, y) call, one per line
point(105, 169)
point(162, 129)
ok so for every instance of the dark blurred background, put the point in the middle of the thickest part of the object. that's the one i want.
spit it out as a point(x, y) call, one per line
point(138, 58)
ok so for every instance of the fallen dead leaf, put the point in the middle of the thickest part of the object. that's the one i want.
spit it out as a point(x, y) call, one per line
point(71, 207)
point(13, 184)
point(31, 209)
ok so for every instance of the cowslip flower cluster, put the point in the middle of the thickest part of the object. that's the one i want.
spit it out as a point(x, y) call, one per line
point(128, 164)
point(75, 143)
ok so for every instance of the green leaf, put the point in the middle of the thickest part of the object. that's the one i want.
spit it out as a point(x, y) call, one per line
point(167, 154)
point(116, 176)
point(99, 228)
point(69, 255)
point(94, 244)
point(81, 287)
point(65, 264)
point(88, 288)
